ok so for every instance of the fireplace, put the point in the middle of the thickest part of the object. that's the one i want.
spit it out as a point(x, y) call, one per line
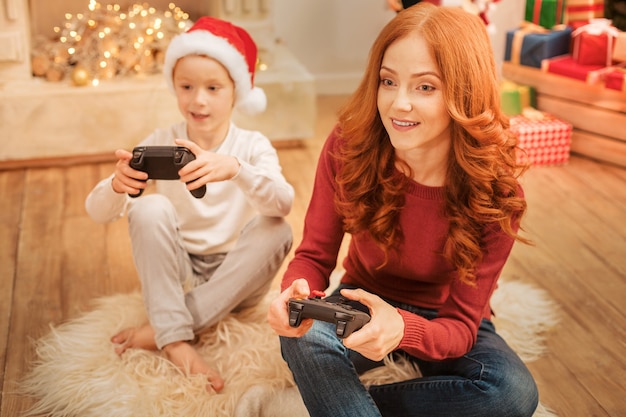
point(58, 120)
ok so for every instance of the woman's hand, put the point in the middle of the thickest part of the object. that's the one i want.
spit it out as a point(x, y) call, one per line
point(207, 167)
point(382, 334)
point(126, 179)
point(278, 314)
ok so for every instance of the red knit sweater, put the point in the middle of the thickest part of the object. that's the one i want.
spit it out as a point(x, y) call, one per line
point(415, 273)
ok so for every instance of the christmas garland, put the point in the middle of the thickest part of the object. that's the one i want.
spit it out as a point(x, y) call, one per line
point(106, 42)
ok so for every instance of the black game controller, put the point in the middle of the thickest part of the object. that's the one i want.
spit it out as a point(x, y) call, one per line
point(163, 163)
point(346, 318)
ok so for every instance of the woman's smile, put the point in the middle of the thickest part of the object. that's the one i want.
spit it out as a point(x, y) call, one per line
point(403, 124)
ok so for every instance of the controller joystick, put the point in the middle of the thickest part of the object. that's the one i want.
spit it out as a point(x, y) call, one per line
point(163, 163)
point(346, 318)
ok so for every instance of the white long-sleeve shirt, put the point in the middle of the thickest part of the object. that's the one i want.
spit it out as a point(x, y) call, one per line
point(211, 224)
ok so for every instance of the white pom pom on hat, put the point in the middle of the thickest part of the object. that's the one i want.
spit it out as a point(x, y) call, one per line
point(232, 46)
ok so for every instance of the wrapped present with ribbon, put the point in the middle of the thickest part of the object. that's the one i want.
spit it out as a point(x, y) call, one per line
point(545, 13)
point(593, 42)
point(567, 66)
point(515, 98)
point(530, 44)
point(619, 48)
point(615, 79)
point(543, 138)
point(583, 10)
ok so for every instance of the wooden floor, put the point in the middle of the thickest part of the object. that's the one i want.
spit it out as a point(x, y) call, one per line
point(54, 260)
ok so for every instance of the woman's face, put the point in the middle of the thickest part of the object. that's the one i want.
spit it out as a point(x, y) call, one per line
point(205, 94)
point(410, 99)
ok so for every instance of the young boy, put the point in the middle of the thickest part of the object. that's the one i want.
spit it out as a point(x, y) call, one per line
point(226, 246)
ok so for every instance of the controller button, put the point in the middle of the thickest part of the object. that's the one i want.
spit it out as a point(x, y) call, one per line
point(341, 328)
point(343, 316)
point(317, 294)
point(293, 318)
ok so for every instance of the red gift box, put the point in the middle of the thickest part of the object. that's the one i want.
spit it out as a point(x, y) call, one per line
point(542, 141)
point(616, 79)
point(592, 49)
point(566, 65)
point(593, 42)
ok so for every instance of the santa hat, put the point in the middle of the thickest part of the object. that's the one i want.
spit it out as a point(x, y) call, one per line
point(228, 44)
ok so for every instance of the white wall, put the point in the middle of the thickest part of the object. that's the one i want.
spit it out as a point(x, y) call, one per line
point(507, 15)
point(332, 37)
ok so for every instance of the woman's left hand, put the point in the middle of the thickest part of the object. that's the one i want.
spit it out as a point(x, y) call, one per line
point(382, 334)
point(207, 167)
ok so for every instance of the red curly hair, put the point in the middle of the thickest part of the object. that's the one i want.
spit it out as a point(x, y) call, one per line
point(481, 185)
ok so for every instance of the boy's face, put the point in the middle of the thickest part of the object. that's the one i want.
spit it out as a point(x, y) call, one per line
point(206, 95)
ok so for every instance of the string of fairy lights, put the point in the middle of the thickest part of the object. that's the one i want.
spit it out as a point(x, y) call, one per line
point(105, 41)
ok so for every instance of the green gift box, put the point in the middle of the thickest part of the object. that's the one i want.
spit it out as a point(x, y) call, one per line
point(546, 13)
point(514, 98)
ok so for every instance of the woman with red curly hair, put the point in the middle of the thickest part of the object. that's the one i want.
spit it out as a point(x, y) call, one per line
point(420, 172)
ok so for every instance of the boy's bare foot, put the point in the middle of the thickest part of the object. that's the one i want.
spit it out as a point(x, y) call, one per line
point(183, 355)
point(135, 337)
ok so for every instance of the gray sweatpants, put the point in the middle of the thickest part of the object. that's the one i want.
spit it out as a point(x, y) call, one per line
point(219, 283)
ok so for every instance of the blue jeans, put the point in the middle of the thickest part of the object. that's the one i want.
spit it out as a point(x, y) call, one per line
point(490, 380)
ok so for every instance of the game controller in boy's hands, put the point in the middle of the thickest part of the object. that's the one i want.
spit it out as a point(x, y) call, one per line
point(163, 163)
point(346, 318)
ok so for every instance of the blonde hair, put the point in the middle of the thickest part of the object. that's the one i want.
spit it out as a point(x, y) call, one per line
point(481, 184)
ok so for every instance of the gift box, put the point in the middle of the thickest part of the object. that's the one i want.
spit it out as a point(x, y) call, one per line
point(615, 79)
point(619, 48)
point(546, 13)
point(530, 44)
point(578, 10)
point(543, 140)
point(593, 43)
point(567, 66)
point(514, 98)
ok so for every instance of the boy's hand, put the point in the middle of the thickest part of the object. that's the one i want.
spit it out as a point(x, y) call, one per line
point(126, 179)
point(278, 314)
point(207, 167)
point(395, 5)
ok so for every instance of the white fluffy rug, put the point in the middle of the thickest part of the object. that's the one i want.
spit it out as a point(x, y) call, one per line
point(77, 374)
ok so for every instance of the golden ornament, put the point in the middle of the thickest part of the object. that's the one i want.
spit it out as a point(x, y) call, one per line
point(55, 73)
point(81, 76)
